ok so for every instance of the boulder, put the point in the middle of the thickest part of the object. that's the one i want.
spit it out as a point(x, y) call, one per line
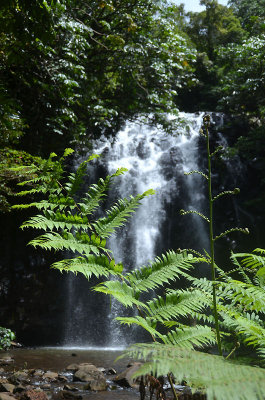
point(62, 378)
point(19, 389)
point(125, 378)
point(72, 367)
point(6, 396)
point(90, 374)
point(7, 387)
point(38, 373)
point(19, 377)
point(33, 395)
point(50, 376)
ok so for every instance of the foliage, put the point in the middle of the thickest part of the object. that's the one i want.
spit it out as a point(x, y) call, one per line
point(80, 69)
point(70, 224)
point(223, 380)
point(216, 26)
point(243, 77)
point(9, 177)
point(251, 14)
point(6, 337)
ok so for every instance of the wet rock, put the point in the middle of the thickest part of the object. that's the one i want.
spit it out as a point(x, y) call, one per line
point(19, 377)
point(33, 395)
point(90, 373)
point(51, 376)
point(72, 367)
point(70, 388)
point(62, 378)
point(111, 371)
point(19, 389)
point(46, 386)
point(2, 370)
point(96, 385)
point(125, 378)
point(6, 360)
point(143, 150)
point(66, 395)
point(6, 396)
point(7, 387)
point(38, 373)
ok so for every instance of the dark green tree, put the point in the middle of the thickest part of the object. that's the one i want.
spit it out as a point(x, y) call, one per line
point(251, 14)
point(74, 69)
point(215, 26)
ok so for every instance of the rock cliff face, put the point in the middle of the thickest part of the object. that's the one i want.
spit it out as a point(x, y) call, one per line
point(45, 307)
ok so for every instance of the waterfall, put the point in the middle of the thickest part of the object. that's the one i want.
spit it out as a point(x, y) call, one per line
point(154, 160)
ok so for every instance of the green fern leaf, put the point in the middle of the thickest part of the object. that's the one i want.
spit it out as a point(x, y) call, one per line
point(143, 322)
point(178, 303)
point(163, 270)
point(88, 266)
point(191, 336)
point(221, 379)
point(120, 291)
point(118, 215)
point(56, 241)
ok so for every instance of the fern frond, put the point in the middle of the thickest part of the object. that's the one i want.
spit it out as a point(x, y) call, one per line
point(228, 231)
point(75, 179)
point(175, 304)
point(221, 379)
point(87, 266)
point(143, 322)
point(250, 296)
point(247, 326)
point(55, 241)
point(197, 172)
point(121, 291)
point(58, 220)
point(183, 212)
point(97, 192)
point(259, 251)
point(252, 261)
point(191, 336)
point(240, 269)
point(118, 214)
point(164, 269)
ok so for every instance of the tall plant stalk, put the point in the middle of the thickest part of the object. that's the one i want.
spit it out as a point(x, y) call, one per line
point(206, 121)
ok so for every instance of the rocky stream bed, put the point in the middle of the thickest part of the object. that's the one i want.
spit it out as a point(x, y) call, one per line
point(57, 374)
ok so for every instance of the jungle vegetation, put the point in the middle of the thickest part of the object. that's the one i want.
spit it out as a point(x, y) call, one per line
point(72, 70)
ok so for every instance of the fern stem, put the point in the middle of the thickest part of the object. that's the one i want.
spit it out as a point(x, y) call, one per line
point(172, 386)
point(233, 350)
point(154, 340)
point(206, 125)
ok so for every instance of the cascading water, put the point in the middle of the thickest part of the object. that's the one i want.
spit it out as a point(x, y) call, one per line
point(154, 160)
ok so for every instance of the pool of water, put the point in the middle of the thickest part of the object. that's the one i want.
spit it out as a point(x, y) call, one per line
point(57, 359)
